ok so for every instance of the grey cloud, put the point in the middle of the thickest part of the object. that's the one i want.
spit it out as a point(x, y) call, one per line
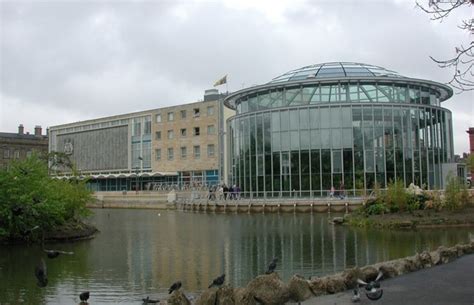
point(102, 58)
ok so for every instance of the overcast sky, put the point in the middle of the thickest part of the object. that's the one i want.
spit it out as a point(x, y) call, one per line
point(65, 61)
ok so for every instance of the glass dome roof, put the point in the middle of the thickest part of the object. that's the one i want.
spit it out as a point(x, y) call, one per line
point(335, 69)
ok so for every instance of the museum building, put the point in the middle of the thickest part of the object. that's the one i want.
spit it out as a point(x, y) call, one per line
point(338, 125)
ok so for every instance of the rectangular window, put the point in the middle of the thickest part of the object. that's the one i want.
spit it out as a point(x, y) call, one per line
point(183, 114)
point(16, 154)
point(137, 129)
point(170, 134)
point(197, 152)
point(196, 131)
point(170, 154)
point(211, 129)
point(183, 132)
point(6, 154)
point(210, 150)
point(170, 116)
point(210, 110)
point(196, 112)
point(158, 135)
point(158, 118)
point(29, 153)
point(157, 154)
point(184, 152)
point(147, 130)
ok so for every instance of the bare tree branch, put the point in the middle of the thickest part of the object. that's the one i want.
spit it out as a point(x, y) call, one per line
point(463, 62)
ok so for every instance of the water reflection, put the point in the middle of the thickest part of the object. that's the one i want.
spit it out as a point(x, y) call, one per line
point(140, 253)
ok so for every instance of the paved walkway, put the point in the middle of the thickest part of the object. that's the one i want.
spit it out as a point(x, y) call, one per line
point(449, 284)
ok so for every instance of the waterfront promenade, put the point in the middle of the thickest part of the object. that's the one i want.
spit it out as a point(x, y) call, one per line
point(448, 284)
point(200, 202)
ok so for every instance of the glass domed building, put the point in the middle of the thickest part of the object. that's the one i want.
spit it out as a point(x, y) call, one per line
point(342, 125)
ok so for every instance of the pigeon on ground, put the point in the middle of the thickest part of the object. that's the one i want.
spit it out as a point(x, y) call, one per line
point(174, 287)
point(218, 281)
point(356, 297)
point(373, 290)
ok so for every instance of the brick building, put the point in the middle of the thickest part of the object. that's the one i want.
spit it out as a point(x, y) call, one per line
point(20, 145)
point(470, 131)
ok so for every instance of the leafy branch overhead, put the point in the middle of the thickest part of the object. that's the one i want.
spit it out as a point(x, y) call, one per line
point(463, 61)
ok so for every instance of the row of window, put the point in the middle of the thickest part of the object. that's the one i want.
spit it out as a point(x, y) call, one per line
point(14, 154)
point(211, 130)
point(184, 114)
point(211, 151)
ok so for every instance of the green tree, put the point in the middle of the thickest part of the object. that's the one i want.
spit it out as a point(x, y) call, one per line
point(30, 198)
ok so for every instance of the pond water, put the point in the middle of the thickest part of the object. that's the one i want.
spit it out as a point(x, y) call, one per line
point(139, 253)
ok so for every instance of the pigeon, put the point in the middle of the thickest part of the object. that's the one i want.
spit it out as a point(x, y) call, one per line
point(174, 287)
point(272, 266)
point(41, 274)
point(218, 281)
point(373, 290)
point(356, 297)
point(55, 253)
point(150, 301)
point(84, 296)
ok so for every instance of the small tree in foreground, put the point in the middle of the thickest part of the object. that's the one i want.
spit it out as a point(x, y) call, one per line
point(30, 198)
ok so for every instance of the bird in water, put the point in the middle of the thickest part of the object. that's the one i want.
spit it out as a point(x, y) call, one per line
point(84, 296)
point(41, 274)
point(174, 287)
point(218, 281)
point(272, 266)
point(150, 301)
point(56, 253)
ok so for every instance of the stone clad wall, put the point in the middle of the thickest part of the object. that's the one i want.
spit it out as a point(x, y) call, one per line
point(102, 149)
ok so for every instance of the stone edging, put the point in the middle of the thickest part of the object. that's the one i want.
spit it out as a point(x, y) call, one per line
point(271, 290)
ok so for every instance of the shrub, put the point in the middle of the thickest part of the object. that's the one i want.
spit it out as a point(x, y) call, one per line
point(376, 209)
point(455, 194)
point(396, 197)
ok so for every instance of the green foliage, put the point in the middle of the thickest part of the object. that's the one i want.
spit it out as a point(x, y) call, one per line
point(396, 197)
point(29, 198)
point(376, 209)
point(456, 195)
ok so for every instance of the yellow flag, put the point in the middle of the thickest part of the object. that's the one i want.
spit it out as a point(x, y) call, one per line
point(221, 81)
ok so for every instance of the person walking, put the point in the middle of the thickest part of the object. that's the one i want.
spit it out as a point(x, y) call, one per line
point(220, 193)
point(225, 190)
point(331, 193)
point(342, 193)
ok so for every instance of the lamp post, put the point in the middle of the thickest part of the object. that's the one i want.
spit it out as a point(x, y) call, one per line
point(137, 172)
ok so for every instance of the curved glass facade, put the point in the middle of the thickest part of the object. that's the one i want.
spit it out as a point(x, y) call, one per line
point(304, 141)
point(356, 92)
